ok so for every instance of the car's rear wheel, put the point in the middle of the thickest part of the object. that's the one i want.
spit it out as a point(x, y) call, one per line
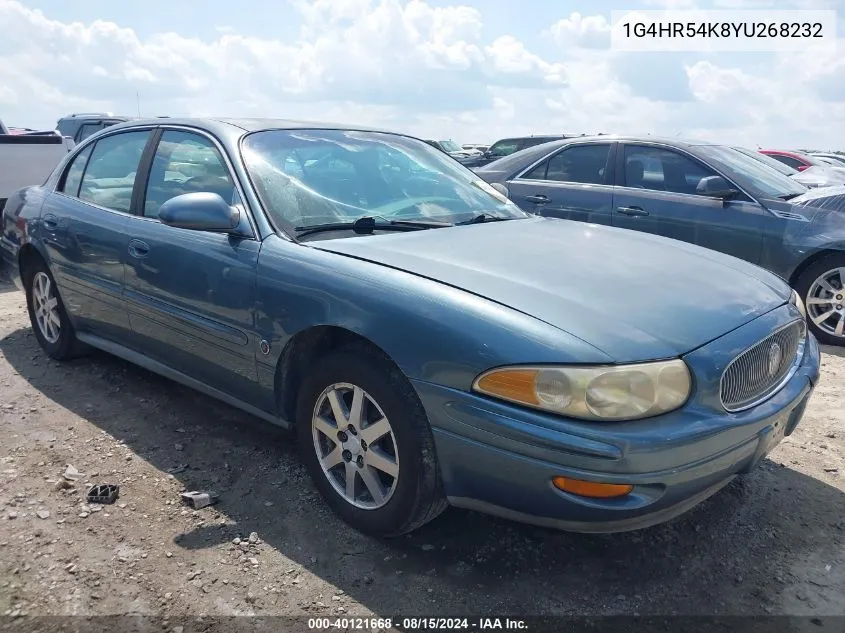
point(367, 443)
point(822, 287)
point(47, 314)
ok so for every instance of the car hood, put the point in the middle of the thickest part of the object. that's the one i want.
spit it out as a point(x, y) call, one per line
point(632, 295)
point(830, 198)
point(818, 177)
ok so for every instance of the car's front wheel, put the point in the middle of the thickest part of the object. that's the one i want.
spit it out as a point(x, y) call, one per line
point(822, 288)
point(47, 314)
point(367, 443)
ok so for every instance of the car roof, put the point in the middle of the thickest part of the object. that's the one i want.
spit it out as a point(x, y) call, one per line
point(247, 125)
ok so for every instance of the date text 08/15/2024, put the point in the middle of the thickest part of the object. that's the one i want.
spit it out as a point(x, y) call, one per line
point(416, 624)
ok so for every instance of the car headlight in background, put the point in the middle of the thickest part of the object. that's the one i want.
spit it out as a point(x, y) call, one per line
point(612, 392)
point(795, 300)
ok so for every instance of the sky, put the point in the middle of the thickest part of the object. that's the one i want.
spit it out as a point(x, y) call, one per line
point(469, 70)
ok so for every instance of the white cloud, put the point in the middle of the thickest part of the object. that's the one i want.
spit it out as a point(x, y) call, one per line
point(429, 69)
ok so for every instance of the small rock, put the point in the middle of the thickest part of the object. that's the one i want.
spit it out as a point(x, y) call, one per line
point(168, 595)
point(178, 629)
point(43, 514)
point(12, 515)
point(236, 540)
point(179, 447)
point(336, 598)
point(194, 574)
point(70, 568)
point(427, 547)
point(250, 597)
point(253, 537)
point(169, 554)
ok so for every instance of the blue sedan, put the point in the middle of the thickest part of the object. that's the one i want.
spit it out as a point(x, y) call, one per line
point(428, 342)
point(711, 195)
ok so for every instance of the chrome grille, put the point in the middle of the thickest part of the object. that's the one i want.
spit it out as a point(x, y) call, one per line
point(761, 370)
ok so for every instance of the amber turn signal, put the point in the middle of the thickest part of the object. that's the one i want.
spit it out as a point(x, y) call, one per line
point(591, 488)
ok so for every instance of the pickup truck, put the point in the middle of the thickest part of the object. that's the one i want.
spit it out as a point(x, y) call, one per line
point(27, 159)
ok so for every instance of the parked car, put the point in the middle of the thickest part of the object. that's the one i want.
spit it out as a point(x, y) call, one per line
point(454, 150)
point(706, 194)
point(801, 161)
point(27, 159)
point(475, 147)
point(507, 146)
point(430, 343)
point(81, 125)
point(839, 159)
point(814, 176)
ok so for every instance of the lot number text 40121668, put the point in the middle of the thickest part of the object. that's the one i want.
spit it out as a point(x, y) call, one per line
point(417, 624)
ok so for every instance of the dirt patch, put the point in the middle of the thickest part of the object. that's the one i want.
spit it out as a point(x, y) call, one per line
point(770, 543)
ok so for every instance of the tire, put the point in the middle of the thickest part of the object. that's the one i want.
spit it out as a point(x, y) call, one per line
point(38, 279)
point(807, 287)
point(416, 496)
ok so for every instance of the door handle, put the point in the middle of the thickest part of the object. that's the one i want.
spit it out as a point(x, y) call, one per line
point(538, 199)
point(138, 249)
point(634, 212)
point(50, 221)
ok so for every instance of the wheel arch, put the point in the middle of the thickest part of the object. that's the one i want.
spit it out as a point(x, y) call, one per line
point(27, 256)
point(302, 351)
point(812, 259)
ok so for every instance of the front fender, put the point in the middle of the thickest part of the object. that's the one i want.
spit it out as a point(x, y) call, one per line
point(433, 332)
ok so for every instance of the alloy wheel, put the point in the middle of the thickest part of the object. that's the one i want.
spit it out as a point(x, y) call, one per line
point(826, 302)
point(355, 446)
point(46, 307)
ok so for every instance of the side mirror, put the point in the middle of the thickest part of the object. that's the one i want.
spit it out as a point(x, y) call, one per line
point(715, 187)
point(802, 167)
point(201, 211)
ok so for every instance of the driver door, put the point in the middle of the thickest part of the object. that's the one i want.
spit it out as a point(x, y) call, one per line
point(190, 293)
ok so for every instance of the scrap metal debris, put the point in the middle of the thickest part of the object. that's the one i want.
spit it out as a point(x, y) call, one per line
point(104, 493)
point(197, 499)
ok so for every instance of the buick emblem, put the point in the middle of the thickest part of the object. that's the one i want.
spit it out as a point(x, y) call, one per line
point(775, 357)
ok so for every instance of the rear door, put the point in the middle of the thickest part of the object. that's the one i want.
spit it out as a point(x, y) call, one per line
point(84, 231)
point(574, 183)
point(191, 294)
point(656, 193)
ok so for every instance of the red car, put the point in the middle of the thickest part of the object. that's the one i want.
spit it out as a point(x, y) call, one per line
point(796, 160)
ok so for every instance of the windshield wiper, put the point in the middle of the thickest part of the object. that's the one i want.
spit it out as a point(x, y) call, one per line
point(367, 224)
point(483, 217)
point(788, 196)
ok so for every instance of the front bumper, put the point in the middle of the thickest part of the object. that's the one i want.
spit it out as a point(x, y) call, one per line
point(500, 459)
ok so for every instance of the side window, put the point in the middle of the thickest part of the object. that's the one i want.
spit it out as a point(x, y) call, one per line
point(73, 175)
point(504, 148)
point(581, 163)
point(87, 129)
point(110, 175)
point(788, 160)
point(185, 162)
point(539, 172)
point(663, 170)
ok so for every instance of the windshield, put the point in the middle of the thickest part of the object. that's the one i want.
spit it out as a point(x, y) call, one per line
point(783, 168)
point(450, 146)
point(752, 175)
point(310, 177)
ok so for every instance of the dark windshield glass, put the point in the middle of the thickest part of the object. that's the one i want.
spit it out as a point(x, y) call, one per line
point(750, 174)
point(310, 177)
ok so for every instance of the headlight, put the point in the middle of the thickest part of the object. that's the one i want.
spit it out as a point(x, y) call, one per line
point(795, 300)
point(613, 392)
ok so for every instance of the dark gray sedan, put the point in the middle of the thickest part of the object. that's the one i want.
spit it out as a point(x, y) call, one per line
point(706, 194)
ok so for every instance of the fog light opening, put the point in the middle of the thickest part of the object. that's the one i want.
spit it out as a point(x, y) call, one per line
point(591, 488)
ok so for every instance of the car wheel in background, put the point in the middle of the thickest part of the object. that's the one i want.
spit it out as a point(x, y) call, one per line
point(47, 314)
point(367, 443)
point(822, 288)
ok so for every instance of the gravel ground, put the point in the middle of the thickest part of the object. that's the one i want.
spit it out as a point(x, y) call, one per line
point(772, 543)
